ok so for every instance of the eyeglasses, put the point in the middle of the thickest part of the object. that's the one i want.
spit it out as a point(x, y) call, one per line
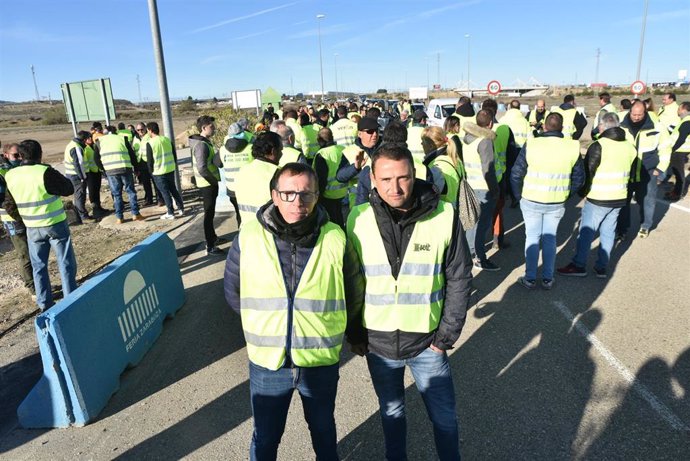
point(140, 130)
point(290, 196)
point(370, 131)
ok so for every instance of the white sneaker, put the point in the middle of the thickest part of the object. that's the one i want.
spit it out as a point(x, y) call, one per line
point(179, 212)
point(168, 216)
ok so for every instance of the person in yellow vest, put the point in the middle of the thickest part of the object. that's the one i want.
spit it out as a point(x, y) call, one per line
point(651, 140)
point(626, 104)
point(668, 114)
point(309, 134)
point(143, 172)
point(353, 110)
point(547, 171)
point(605, 106)
point(608, 165)
point(356, 172)
point(517, 123)
point(480, 167)
point(287, 137)
point(11, 158)
point(680, 141)
point(160, 157)
point(253, 179)
point(293, 123)
point(75, 171)
point(33, 197)
point(651, 110)
point(442, 155)
point(93, 178)
point(417, 267)
point(96, 130)
point(574, 122)
point(344, 129)
point(537, 116)
point(414, 134)
point(322, 119)
point(464, 111)
point(206, 164)
point(235, 153)
point(292, 278)
point(332, 193)
point(116, 157)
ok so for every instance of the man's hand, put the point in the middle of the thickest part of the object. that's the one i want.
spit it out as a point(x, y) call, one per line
point(436, 349)
point(359, 349)
point(361, 160)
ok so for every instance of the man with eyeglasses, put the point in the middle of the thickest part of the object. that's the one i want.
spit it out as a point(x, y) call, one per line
point(292, 279)
point(417, 268)
point(144, 172)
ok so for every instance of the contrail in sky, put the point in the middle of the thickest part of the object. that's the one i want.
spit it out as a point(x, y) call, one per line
point(242, 18)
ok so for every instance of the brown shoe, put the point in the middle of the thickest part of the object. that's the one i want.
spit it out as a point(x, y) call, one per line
point(119, 221)
point(138, 217)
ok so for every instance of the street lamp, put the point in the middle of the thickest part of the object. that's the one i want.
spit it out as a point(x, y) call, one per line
point(469, 92)
point(639, 56)
point(318, 23)
point(426, 58)
point(335, 57)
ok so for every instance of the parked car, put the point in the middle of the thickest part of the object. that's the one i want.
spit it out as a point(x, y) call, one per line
point(439, 109)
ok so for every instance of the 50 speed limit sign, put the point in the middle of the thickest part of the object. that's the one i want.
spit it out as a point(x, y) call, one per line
point(638, 87)
point(494, 87)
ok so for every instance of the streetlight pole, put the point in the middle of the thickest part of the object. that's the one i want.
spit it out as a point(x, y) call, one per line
point(469, 92)
point(318, 23)
point(426, 58)
point(644, 25)
point(335, 57)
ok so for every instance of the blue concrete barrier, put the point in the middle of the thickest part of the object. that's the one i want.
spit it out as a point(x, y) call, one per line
point(109, 323)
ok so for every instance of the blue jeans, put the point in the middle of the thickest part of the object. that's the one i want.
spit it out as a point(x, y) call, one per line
point(117, 182)
point(435, 382)
point(476, 237)
point(603, 219)
point(166, 186)
point(41, 239)
point(541, 227)
point(644, 192)
point(271, 392)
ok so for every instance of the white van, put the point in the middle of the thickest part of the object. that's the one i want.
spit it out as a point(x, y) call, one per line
point(439, 109)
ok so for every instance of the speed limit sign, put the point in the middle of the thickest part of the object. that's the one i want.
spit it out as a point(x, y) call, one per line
point(638, 87)
point(494, 87)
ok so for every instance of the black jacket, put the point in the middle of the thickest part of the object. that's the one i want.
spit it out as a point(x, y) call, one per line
point(580, 121)
point(396, 231)
point(592, 162)
point(295, 243)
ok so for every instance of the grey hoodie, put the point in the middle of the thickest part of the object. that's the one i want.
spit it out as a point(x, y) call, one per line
point(199, 147)
point(486, 153)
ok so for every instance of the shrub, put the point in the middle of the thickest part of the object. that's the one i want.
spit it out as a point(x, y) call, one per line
point(55, 115)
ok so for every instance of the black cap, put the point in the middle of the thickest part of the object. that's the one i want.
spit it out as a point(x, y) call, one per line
point(367, 123)
point(419, 115)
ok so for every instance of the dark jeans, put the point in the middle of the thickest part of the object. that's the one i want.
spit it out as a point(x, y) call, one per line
point(678, 162)
point(476, 237)
point(235, 205)
point(124, 181)
point(166, 187)
point(21, 246)
point(93, 184)
point(209, 195)
point(271, 393)
point(79, 196)
point(645, 196)
point(145, 179)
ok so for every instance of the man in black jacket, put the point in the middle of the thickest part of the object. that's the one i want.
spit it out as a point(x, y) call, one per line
point(418, 278)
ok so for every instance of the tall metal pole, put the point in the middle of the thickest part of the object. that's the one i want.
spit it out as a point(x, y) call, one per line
point(318, 22)
point(166, 113)
point(639, 55)
point(426, 58)
point(596, 73)
point(139, 88)
point(438, 68)
point(335, 56)
point(469, 95)
point(33, 74)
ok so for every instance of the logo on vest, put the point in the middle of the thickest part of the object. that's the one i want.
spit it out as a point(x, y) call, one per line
point(141, 309)
point(422, 247)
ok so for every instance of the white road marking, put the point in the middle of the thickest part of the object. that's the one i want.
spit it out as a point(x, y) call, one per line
point(674, 205)
point(674, 421)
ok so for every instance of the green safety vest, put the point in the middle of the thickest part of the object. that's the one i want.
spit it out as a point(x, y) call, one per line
point(568, 121)
point(685, 147)
point(253, 187)
point(318, 309)
point(332, 156)
point(310, 145)
point(414, 301)
point(68, 161)
point(125, 134)
point(533, 117)
point(233, 161)
point(610, 182)
point(650, 141)
point(297, 131)
point(500, 149)
point(668, 116)
point(89, 160)
point(114, 154)
point(200, 180)
point(139, 147)
point(604, 110)
point(4, 215)
point(35, 205)
point(518, 125)
point(550, 162)
point(414, 141)
point(290, 155)
point(344, 132)
point(473, 165)
point(451, 176)
point(163, 160)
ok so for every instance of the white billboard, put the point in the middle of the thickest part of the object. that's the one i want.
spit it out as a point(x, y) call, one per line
point(419, 92)
point(247, 99)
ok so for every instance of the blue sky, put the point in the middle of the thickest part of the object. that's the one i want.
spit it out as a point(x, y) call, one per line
point(214, 47)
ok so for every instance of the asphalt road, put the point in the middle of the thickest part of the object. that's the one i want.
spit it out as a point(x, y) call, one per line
point(594, 369)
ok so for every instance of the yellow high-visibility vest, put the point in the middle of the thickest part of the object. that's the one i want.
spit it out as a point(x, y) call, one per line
point(550, 162)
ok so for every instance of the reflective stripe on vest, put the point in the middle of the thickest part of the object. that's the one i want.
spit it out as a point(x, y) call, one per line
point(668, 116)
point(318, 308)
point(114, 154)
point(611, 179)
point(533, 117)
point(233, 161)
point(344, 132)
point(163, 160)
point(252, 187)
point(604, 110)
point(450, 176)
point(650, 142)
point(310, 145)
point(4, 215)
point(473, 165)
point(332, 155)
point(200, 180)
point(550, 161)
point(518, 125)
point(69, 161)
point(35, 205)
point(568, 121)
point(414, 141)
point(414, 301)
point(290, 155)
point(141, 147)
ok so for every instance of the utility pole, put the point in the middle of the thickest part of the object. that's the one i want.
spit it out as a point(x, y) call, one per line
point(596, 73)
point(33, 73)
point(438, 68)
point(139, 88)
point(644, 25)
